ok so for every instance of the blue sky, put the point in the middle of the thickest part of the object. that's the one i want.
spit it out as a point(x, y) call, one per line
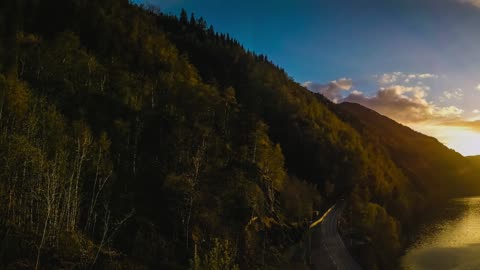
point(417, 61)
point(324, 40)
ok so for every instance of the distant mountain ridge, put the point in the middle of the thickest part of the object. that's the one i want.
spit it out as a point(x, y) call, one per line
point(134, 139)
point(418, 155)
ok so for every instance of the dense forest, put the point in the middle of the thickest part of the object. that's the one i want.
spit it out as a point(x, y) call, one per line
point(133, 139)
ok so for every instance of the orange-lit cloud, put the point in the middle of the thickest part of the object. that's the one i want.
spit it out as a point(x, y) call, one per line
point(332, 90)
point(408, 99)
point(405, 104)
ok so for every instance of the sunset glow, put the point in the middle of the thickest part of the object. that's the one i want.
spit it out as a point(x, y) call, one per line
point(413, 61)
point(461, 139)
point(187, 134)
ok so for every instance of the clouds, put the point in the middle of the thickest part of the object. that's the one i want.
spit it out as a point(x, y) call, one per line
point(475, 3)
point(416, 99)
point(444, 106)
point(405, 104)
point(332, 90)
point(404, 97)
point(454, 94)
point(389, 78)
point(400, 77)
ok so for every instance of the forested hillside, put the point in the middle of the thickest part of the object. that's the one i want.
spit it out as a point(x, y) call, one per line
point(131, 139)
point(418, 155)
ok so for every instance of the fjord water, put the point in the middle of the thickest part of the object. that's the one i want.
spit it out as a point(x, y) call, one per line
point(451, 241)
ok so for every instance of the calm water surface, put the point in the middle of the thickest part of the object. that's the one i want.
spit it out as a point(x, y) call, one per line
point(451, 242)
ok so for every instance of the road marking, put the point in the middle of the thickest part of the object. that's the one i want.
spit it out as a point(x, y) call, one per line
point(322, 218)
point(332, 242)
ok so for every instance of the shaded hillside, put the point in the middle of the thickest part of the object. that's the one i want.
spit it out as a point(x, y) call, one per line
point(432, 167)
point(132, 139)
point(474, 159)
point(474, 162)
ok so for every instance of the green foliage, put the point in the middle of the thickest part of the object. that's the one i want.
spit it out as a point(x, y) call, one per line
point(300, 200)
point(219, 257)
point(138, 137)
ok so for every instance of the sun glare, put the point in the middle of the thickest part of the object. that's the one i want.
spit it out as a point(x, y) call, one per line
point(463, 140)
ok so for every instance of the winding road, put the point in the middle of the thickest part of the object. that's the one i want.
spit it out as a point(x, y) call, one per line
point(327, 248)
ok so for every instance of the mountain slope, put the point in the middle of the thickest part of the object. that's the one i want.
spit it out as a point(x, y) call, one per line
point(133, 139)
point(424, 159)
